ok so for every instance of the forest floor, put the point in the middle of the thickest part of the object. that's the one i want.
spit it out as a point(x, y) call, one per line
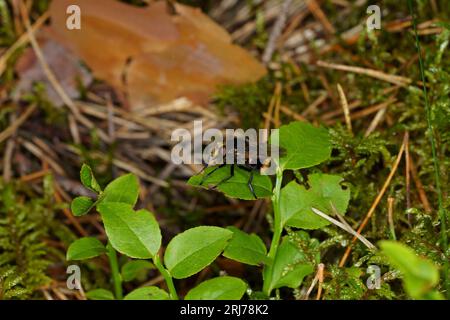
point(325, 68)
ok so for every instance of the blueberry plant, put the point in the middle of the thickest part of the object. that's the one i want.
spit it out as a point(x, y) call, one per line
point(290, 257)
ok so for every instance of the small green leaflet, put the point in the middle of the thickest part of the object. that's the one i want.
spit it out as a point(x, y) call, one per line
point(100, 294)
point(419, 275)
point(296, 201)
point(237, 186)
point(222, 288)
point(289, 267)
point(123, 189)
point(81, 206)
point(245, 248)
point(88, 180)
point(305, 145)
point(132, 269)
point(147, 293)
point(133, 233)
point(85, 248)
point(191, 251)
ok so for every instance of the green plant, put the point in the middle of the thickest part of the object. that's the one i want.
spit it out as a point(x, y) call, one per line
point(136, 233)
point(26, 221)
point(420, 275)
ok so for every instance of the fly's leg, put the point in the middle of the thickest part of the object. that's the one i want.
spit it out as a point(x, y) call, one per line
point(206, 176)
point(227, 178)
point(250, 179)
point(250, 185)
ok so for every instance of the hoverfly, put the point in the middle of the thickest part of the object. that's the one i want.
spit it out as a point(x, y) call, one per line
point(249, 164)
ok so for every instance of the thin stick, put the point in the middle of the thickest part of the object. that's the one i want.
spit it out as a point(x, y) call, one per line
point(7, 171)
point(16, 124)
point(292, 114)
point(344, 105)
point(40, 154)
point(272, 103)
point(367, 111)
point(420, 189)
point(35, 175)
point(376, 202)
point(398, 80)
point(376, 120)
point(408, 177)
point(311, 287)
point(320, 15)
point(23, 40)
point(320, 276)
point(390, 217)
point(366, 242)
point(276, 117)
point(276, 31)
point(74, 130)
point(313, 106)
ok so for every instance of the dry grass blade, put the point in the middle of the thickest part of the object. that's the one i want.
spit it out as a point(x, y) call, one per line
point(377, 200)
point(16, 124)
point(344, 105)
point(397, 80)
point(344, 227)
point(276, 31)
point(320, 15)
point(23, 40)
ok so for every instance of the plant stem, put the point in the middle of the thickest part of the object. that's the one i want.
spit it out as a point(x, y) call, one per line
point(437, 174)
point(277, 230)
point(167, 277)
point(117, 278)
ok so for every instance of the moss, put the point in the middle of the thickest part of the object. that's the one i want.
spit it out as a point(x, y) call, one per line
point(26, 221)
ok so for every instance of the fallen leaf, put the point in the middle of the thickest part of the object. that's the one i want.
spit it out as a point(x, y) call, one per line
point(152, 55)
point(65, 65)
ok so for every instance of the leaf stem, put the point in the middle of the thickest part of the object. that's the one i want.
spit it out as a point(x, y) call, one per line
point(277, 230)
point(167, 277)
point(437, 174)
point(117, 278)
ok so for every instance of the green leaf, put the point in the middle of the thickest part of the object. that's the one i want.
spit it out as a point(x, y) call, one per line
point(81, 206)
point(191, 251)
point(245, 248)
point(100, 294)
point(290, 266)
point(88, 179)
point(85, 248)
point(222, 288)
point(419, 274)
point(132, 269)
point(147, 293)
point(123, 189)
point(296, 201)
point(305, 145)
point(133, 233)
point(237, 186)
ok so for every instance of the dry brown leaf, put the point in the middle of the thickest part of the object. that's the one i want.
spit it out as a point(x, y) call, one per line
point(153, 55)
point(63, 63)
